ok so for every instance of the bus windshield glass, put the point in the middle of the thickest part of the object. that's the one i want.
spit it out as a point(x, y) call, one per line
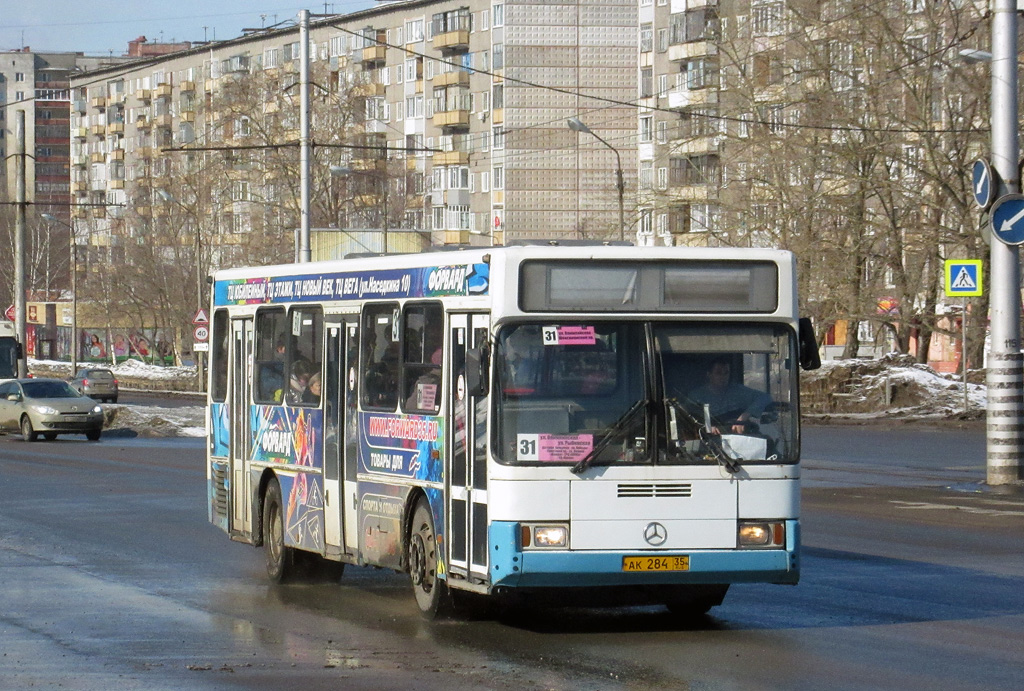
point(643, 393)
point(8, 358)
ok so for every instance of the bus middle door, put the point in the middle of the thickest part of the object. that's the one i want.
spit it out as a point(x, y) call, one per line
point(467, 456)
point(342, 349)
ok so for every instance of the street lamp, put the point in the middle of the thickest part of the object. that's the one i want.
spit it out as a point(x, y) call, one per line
point(337, 171)
point(50, 218)
point(577, 125)
point(1003, 376)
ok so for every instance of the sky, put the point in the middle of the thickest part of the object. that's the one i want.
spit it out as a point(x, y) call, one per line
point(104, 27)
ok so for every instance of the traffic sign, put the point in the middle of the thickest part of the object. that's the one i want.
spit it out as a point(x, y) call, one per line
point(10, 314)
point(201, 333)
point(201, 317)
point(963, 277)
point(982, 184)
point(1008, 219)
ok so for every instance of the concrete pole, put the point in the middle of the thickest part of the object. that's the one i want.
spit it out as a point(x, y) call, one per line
point(1005, 409)
point(20, 241)
point(304, 147)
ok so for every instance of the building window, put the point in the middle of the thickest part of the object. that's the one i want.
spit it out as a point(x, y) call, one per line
point(498, 178)
point(499, 137)
point(768, 19)
point(497, 56)
point(646, 37)
point(498, 12)
point(645, 127)
point(646, 82)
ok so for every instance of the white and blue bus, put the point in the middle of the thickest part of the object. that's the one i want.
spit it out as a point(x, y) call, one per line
point(605, 424)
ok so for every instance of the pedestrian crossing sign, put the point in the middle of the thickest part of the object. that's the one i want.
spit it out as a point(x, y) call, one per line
point(963, 277)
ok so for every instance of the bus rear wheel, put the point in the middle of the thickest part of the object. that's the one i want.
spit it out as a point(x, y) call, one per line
point(421, 552)
point(280, 558)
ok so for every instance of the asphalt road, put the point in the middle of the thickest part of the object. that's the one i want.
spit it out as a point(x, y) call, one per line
point(113, 579)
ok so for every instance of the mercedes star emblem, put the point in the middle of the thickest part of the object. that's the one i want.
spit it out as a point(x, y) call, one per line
point(655, 534)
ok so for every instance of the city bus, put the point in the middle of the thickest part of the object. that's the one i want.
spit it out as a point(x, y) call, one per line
point(10, 350)
point(515, 422)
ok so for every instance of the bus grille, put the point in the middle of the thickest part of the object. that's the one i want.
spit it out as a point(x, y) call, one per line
point(220, 490)
point(676, 489)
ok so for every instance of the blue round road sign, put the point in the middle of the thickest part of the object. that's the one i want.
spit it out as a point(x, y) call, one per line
point(1008, 219)
point(982, 184)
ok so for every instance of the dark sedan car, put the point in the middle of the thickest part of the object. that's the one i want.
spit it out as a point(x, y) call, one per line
point(95, 382)
point(47, 407)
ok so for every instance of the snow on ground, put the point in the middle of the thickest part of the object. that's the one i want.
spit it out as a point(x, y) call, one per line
point(894, 386)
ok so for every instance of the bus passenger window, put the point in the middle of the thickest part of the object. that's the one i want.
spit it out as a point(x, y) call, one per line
point(380, 357)
point(271, 343)
point(423, 334)
point(305, 348)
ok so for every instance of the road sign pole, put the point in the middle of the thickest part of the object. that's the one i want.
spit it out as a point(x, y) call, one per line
point(1004, 378)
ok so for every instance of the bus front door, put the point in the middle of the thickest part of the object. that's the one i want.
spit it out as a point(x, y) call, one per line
point(241, 366)
point(467, 456)
point(340, 527)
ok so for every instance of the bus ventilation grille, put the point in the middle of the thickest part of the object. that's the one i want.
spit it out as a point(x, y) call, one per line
point(220, 490)
point(675, 489)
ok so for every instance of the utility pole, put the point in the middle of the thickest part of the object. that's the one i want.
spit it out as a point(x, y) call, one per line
point(19, 242)
point(1004, 378)
point(304, 146)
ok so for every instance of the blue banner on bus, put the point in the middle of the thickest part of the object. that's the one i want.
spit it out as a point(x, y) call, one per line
point(418, 282)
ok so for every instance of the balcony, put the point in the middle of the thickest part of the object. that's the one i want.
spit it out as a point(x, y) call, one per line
point(451, 158)
point(99, 212)
point(115, 128)
point(370, 89)
point(456, 237)
point(116, 184)
point(78, 105)
point(452, 41)
point(455, 77)
point(98, 102)
point(187, 116)
point(374, 54)
point(142, 95)
point(162, 91)
point(689, 98)
point(97, 157)
point(693, 49)
point(117, 155)
point(98, 130)
point(164, 120)
point(79, 132)
point(187, 87)
point(452, 119)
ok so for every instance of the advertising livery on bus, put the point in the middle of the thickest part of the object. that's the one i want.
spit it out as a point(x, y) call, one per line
point(604, 424)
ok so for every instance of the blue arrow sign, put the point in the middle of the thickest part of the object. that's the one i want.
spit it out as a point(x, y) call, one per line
point(982, 184)
point(1008, 219)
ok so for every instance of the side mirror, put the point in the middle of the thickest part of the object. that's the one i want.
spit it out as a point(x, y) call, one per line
point(808, 344)
point(477, 366)
point(14, 397)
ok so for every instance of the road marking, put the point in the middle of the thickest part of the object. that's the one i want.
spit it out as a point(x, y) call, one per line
point(917, 505)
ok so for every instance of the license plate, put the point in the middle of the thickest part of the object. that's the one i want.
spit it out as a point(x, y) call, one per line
point(677, 563)
point(76, 418)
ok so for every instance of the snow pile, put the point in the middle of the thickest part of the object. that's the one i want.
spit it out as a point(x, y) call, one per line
point(892, 386)
point(152, 421)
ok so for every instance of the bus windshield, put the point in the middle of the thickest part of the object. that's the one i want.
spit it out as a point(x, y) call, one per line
point(641, 393)
point(8, 358)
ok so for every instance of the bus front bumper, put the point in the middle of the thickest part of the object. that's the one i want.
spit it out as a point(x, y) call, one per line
point(515, 568)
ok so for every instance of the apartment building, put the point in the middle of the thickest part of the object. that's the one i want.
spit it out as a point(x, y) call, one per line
point(440, 122)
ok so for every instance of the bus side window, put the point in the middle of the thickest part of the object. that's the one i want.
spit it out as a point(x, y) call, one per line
point(271, 342)
point(380, 357)
point(423, 336)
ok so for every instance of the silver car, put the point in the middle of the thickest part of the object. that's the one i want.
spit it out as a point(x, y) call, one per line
point(47, 407)
point(95, 382)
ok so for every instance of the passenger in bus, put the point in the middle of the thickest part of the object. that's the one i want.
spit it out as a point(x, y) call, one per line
point(302, 370)
point(733, 406)
point(312, 393)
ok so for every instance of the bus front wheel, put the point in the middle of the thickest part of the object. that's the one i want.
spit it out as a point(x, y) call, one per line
point(431, 592)
point(280, 558)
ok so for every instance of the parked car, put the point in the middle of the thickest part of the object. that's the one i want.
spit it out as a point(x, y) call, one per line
point(48, 407)
point(95, 382)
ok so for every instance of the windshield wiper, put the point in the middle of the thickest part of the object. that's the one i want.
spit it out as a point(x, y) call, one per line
point(712, 441)
point(622, 423)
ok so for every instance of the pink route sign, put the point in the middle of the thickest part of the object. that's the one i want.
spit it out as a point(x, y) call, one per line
point(557, 448)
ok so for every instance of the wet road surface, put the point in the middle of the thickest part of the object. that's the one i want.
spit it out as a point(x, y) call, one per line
point(112, 578)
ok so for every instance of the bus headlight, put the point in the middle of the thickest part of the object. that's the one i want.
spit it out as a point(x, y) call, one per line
point(762, 534)
point(544, 536)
